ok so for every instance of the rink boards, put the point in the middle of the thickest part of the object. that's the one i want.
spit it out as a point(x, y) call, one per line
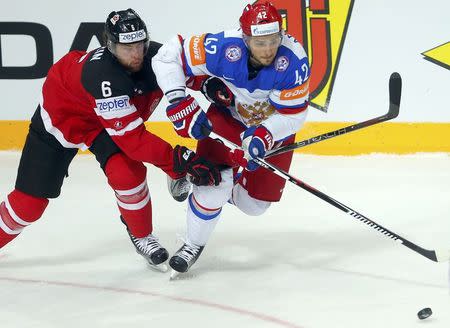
point(391, 137)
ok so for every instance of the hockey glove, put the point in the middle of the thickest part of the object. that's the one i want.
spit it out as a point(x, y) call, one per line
point(256, 141)
point(188, 119)
point(217, 92)
point(201, 171)
point(239, 157)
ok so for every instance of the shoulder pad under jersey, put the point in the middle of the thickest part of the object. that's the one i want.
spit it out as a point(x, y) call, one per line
point(231, 51)
point(209, 52)
point(147, 73)
point(292, 78)
point(153, 48)
point(103, 76)
point(293, 60)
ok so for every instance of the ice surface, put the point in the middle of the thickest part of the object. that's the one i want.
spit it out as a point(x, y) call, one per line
point(302, 264)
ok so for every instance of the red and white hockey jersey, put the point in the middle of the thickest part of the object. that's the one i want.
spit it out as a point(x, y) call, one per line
point(85, 93)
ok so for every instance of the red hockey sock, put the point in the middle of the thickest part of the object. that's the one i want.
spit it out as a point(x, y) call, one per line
point(128, 179)
point(16, 212)
point(136, 209)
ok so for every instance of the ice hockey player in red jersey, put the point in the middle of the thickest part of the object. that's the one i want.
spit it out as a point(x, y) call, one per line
point(99, 101)
point(259, 85)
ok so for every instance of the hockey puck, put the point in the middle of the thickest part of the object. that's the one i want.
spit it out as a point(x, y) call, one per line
point(424, 313)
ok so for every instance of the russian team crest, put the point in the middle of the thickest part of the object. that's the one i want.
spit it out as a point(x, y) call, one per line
point(233, 53)
point(281, 63)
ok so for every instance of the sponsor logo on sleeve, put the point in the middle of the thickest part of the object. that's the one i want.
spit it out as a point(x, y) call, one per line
point(113, 104)
point(233, 53)
point(295, 93)
point(197, 50)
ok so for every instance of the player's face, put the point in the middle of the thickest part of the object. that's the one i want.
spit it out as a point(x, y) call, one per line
point(131, 56)
point(264, 48)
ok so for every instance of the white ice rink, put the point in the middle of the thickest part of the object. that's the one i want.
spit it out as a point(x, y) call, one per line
point(302, 264)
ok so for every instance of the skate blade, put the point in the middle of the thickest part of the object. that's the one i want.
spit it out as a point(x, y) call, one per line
point(174, 274)
point(160, 267)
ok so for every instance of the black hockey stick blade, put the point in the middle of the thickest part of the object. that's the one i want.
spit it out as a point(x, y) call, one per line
point(395, 92)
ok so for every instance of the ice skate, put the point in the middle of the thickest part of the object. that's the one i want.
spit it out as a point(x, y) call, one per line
point(184, 258)
point(179, 188)
point(152, 251)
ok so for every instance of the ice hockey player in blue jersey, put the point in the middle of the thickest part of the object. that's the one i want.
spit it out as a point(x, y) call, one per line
point(257, 79)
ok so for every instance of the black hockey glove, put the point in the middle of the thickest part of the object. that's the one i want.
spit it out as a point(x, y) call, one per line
point(201, 171)
point(217, 92)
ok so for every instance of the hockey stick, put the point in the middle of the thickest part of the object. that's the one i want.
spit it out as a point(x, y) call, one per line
point(395, 91)
point(434, 255)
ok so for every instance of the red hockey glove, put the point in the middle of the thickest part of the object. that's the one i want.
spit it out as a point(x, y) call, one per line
point(217, 92)
point(201, 171)
point(239, 157)
point(188, 119)
point(195, 82)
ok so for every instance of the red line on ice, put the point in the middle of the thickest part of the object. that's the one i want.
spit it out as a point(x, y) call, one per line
point(226, 308)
